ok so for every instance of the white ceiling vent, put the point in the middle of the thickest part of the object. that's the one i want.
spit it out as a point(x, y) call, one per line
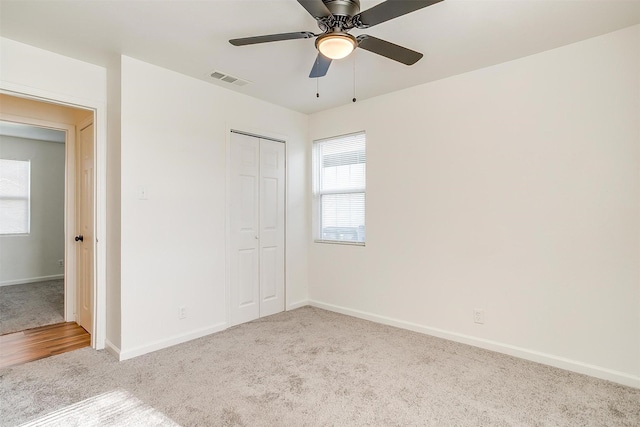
point(218, 75)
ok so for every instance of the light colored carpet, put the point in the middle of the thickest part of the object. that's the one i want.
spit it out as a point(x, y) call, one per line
point(31, 305)
point(310, 367)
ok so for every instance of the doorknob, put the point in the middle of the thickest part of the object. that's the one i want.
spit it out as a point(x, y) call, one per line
point(79, 238)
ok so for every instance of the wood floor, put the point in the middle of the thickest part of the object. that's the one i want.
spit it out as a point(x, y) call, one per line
point(38, 343)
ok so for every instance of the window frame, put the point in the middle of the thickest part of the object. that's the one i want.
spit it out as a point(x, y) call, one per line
point(318, 193)
point(26, 198)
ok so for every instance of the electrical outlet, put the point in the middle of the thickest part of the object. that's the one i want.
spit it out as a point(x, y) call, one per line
point(60, 263)
point(182, 312)
point(478, 315)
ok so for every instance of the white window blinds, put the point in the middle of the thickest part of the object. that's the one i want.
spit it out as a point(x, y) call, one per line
point(339, 187)
point(14, 196)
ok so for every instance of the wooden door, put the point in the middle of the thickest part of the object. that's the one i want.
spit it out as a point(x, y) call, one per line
point(85, 237)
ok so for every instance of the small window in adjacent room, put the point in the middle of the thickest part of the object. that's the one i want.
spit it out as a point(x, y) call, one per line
point(339, 181)
point(14, 196)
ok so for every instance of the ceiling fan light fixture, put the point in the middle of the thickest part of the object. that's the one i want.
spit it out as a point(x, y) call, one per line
point(336, 45)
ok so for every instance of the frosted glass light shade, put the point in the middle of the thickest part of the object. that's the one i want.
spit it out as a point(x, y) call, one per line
point(336, 46)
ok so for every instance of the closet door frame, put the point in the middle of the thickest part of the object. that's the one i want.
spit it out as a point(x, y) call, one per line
point(260, 134)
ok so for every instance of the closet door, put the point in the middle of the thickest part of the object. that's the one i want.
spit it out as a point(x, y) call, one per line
point(244, 274)
point(257, 215)
point(272, 178)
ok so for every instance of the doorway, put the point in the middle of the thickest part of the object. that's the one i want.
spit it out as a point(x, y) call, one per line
point(256, 227)
point(70, 122)
point(32, 179)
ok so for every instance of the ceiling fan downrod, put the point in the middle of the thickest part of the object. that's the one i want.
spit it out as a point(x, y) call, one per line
point(341, 15)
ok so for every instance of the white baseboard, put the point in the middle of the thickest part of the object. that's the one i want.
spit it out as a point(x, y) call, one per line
point(32, 280)
point(111, 348)
point(176, 339)
point(298, 304)
point(522, 353)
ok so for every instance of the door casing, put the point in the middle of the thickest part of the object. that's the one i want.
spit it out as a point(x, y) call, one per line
point(99, 109)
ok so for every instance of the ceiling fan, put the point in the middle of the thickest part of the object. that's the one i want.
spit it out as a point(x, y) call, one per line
point(335, 19)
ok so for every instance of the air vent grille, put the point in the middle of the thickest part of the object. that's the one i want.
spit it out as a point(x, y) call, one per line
point(227, 78)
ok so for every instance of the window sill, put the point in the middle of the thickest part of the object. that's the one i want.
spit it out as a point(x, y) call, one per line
point(339, 242)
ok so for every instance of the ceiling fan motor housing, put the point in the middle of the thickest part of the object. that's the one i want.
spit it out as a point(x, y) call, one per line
point(346, 8)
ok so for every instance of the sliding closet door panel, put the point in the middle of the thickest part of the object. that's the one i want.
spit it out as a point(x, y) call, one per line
point(272, 214)
point(244, 229)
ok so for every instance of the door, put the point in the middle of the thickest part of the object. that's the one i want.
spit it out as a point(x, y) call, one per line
point(85, 235)
point(244, 237)
point(272, 176)
point(257, 169)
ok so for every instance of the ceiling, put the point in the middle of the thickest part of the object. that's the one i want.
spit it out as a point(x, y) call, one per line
point(191, 37)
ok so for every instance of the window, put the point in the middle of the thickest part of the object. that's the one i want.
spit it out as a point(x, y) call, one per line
point(14, 196)
point(339, 166)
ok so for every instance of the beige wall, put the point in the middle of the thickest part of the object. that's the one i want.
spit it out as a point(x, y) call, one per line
point(515, 189)
point(174, 132)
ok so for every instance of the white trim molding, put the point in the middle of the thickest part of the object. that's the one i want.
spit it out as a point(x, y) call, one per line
point(32, 280)
point(298, 304)
point(113, 349)
point(522, 353)
point(171, 341)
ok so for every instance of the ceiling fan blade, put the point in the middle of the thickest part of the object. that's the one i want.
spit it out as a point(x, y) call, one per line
point(316, 8)
point(320, 66)
point(389, 9)
point(271, 38)
point(388, 49)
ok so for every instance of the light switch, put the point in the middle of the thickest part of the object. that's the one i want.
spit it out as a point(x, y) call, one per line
point(142, 193)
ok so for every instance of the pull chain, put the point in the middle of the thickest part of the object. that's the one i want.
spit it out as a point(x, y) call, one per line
point(317, 87)
point(354, 77)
